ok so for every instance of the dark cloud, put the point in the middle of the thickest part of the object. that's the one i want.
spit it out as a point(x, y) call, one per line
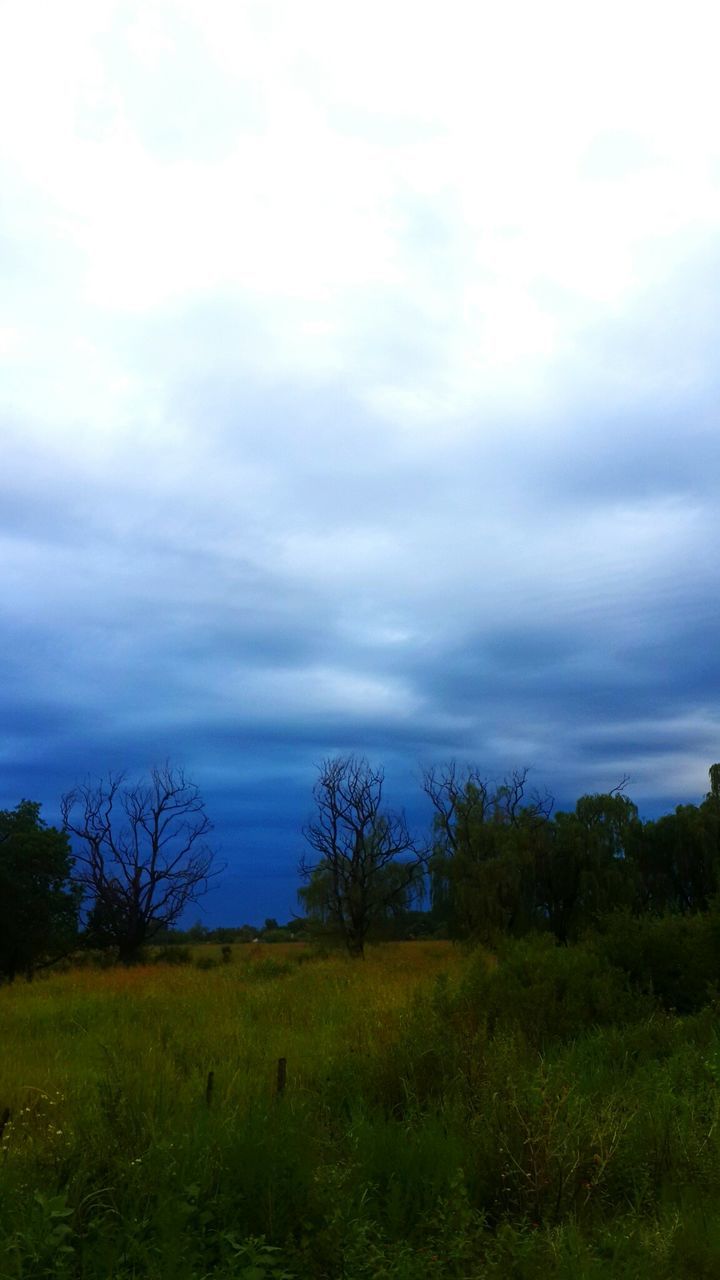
point(245, 620)
point(301, 458)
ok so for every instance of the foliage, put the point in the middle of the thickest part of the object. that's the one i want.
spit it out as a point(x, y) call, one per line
point(675, 958)
point(38, 905)
point(548, 1109)
point(446, 1115)
point(546, 991)
point(485, 841)
point(582, 868)
point(172, 955)
point(678, 858)
point(502, 864)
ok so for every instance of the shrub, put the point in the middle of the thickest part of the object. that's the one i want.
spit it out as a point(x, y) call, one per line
point(548, 991)
point(172, 955)
point(674, 958)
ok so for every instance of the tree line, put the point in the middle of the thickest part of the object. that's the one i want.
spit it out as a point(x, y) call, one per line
point(130, 858)
point(502, 863)
point(498, 860)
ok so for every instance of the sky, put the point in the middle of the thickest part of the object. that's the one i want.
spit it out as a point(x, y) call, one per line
point(358, 393)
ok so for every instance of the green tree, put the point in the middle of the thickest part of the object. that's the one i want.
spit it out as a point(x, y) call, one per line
point(38, 904)
point(368, 863)
point(679, 862)
point(484, 839)
point(677, 858)
point(584, 867)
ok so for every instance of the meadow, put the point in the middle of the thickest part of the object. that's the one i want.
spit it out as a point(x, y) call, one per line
point(444, 1113)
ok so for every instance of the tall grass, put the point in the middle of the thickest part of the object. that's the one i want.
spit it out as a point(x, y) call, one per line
point(443, 1116)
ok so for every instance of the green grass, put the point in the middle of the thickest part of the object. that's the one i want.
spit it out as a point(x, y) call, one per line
point(444, 1116)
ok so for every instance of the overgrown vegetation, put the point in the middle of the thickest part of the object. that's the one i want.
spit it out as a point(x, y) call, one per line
point(542, 1101)
point(548, 1111)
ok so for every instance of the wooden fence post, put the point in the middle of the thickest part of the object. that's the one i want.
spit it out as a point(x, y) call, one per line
point(281, 1077)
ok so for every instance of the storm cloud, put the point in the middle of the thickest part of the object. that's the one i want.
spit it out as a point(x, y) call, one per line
point(358, 392)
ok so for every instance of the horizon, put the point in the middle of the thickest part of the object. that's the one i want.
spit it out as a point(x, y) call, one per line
point(253, 888)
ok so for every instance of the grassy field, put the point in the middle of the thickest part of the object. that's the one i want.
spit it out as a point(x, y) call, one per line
point(443, 1115)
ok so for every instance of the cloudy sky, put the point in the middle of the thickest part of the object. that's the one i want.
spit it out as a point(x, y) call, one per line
point(358, 392)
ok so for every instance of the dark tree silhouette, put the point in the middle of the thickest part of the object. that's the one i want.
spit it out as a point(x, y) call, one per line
point(141, 854)
point(369, 863)
point(38, 905)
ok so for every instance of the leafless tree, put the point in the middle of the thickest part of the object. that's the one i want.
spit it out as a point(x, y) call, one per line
point(460, 795)
point(141, 853)
point(368, 864)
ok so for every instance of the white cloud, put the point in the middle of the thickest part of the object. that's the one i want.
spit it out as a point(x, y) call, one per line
point(328, 303)
point(304, 212)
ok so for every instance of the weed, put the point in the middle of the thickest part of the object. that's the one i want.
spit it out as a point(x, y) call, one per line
point(442, 1117)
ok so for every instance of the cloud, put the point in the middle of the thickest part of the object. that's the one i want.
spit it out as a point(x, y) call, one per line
point(358, 393)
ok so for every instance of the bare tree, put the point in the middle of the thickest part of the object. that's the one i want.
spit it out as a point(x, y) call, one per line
point(369, 863)
point(463, 799)
point(141, 855)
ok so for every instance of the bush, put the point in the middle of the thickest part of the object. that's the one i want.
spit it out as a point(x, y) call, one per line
point(674, 958)
point(172, 955)
point(548, 991)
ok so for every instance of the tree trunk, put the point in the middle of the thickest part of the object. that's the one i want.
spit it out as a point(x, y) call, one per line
point(129, 950)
